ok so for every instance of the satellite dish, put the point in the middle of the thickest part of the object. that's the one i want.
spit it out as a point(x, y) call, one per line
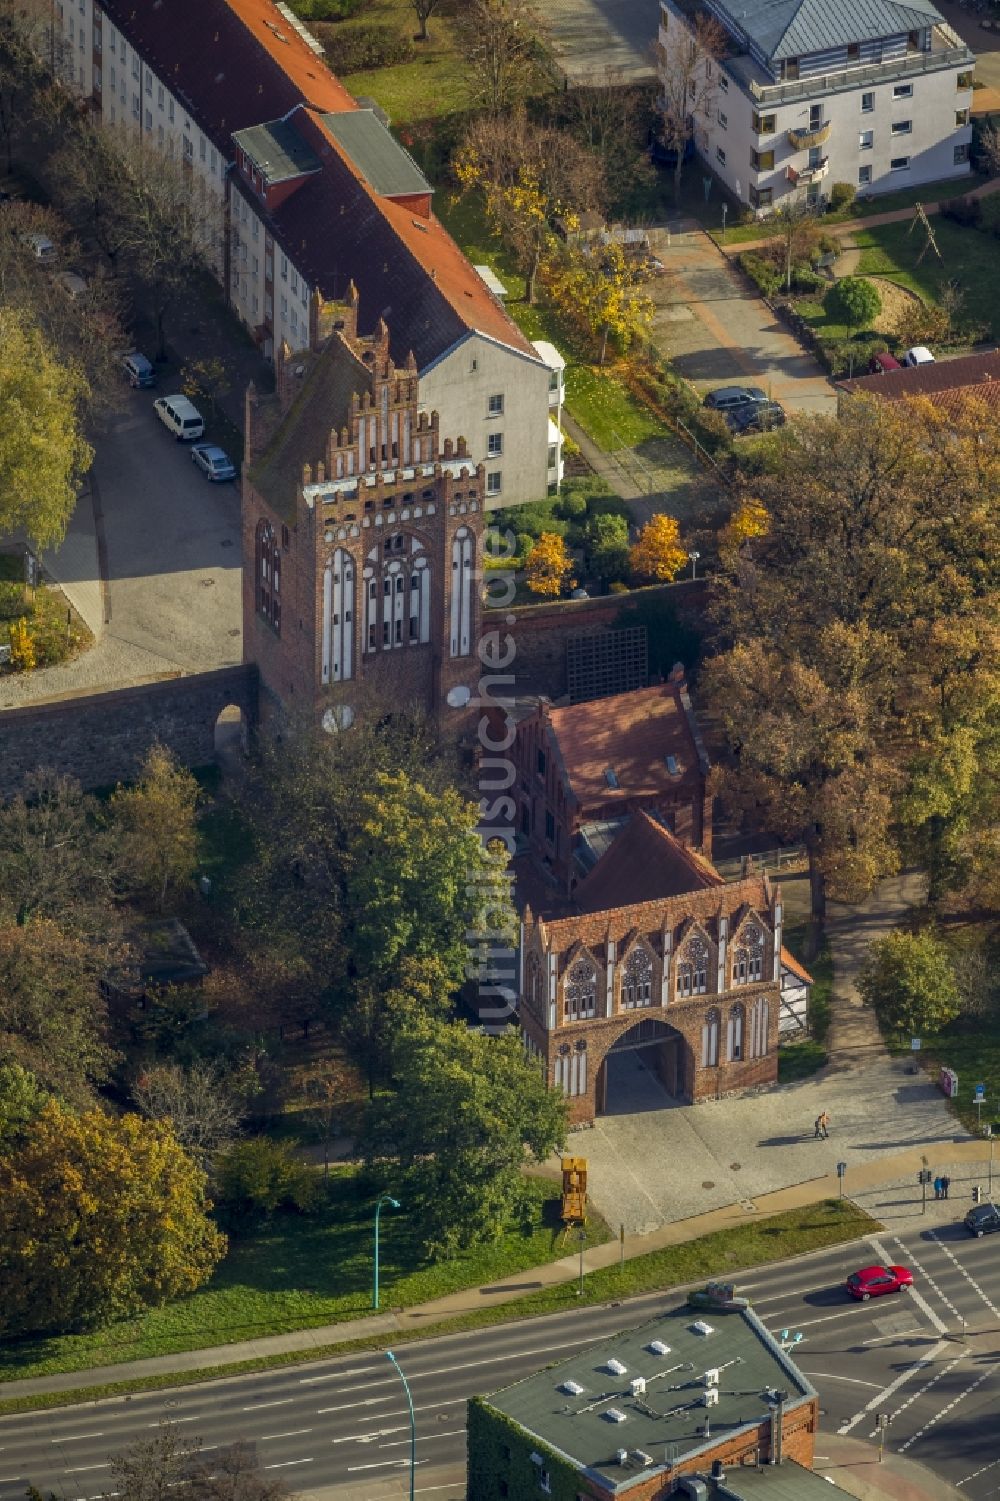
point(459, 697)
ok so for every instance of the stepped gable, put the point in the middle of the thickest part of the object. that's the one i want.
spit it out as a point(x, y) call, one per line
point(731, 899)
point(643, 864)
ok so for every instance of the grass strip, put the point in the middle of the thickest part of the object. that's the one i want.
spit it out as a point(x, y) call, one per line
point(738, 1248)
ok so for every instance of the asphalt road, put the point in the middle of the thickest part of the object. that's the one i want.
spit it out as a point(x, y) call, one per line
point(344, 1423)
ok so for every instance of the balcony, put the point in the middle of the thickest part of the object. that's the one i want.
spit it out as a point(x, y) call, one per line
point(804, 140)
point(947, 51)
point(806, 175)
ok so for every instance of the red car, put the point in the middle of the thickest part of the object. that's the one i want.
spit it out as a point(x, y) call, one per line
point(873, 1281)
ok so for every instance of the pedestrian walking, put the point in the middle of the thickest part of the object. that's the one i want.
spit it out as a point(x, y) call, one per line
point(823, 1125)
point(945, 1185)
point(938, 1188)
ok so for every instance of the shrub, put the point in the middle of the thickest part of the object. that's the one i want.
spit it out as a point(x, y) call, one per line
point(842, 194)
point(853, 301)
point(326, 10)
point(12, 602)
point(22, 648)
point(571, 506)
point(804, 279)
point(965, 211)
point(258, 1176)
point(362, 49)
point(762, 272)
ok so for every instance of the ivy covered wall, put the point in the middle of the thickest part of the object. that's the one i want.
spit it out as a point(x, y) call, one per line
point(500, 1463)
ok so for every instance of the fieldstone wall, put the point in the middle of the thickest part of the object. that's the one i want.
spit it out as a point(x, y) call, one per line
point(102, 738)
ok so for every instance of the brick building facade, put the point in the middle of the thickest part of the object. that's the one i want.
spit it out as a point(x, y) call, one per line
point(693, 979)
point(362, 535)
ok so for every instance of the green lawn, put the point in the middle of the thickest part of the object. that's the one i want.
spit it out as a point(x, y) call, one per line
point(974, 1053)
point(604, 407)
point(302, 1272)
point(742, 1247)
point(969, 257)
point(429, 87)
point(883, 203)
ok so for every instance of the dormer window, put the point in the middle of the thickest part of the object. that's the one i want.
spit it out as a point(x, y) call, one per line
point(611, 778)
point(672, 767)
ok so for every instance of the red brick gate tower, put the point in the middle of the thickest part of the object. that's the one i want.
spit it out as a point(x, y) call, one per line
point(362, 536)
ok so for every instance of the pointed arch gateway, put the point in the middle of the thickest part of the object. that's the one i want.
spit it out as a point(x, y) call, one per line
point(648, 1066)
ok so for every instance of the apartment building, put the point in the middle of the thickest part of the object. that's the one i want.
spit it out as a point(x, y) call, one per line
point(806, 93)
point(307, 194)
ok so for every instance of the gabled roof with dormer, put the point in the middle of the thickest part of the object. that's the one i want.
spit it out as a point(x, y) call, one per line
point(795, 28)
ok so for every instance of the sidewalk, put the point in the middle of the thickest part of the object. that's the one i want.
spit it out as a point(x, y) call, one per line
point(864, 1186)
point(851, 227)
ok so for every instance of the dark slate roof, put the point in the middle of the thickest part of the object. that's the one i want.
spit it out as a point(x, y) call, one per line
point(794, 28)
point(232, 63)
point(385, 166)
point(277, 150)
point(787, 1481)
point(329, 381)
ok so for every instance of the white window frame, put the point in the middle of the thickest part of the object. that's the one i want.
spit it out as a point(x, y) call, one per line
point(494, 482)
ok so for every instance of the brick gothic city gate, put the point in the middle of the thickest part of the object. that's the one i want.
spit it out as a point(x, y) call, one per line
point(664, 1051)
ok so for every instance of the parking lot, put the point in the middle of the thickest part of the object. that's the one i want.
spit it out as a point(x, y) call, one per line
point(151, 562)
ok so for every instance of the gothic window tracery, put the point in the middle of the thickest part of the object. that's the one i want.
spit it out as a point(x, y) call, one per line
point(734, 1040)
point(692, 967)
point(637, 980)
point(580, 991)
point(748, 955)
point(710, 1039)
point(268, 575)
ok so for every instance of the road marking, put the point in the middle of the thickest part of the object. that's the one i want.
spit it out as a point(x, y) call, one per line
point(896, 1334)
point(368, 1438)
point(293, 1433)
point(826, 1376)
point(259, 1406)
point(284, 1464)
point(901, 1379)
point(918, 1298)
point(944, 1411)
point(172, 1420)
point(422, 1438)
point(959, 1267)
point(79, 1469)
point(976, 1473)
point(845, 1313)
point(338, 1375)
point(72, 1438)
point(383, 1464)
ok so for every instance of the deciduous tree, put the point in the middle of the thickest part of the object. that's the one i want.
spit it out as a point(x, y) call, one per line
point(169, 1466)
point(55, 859)
point(327, 1086)
point(501, 42)
point(607, 545)
point(909, 981)
point(688, 82)
point(854, 300)
point(203, 1106)
point(258, 1176)
point(603, 289)
point(467, 1109)
point(549, 566)
point(100, 1217)
point(155, 827)
point(43, 454)
point(657, 554)
point(22, 1100)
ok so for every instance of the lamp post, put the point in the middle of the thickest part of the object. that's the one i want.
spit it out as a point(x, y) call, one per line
point(413, 1423)
point(383, 1199)
point(693, 560)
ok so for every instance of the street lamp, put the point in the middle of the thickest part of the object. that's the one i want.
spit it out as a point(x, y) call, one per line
point(693, 560)
point(413, 1423)
point(383, 1199)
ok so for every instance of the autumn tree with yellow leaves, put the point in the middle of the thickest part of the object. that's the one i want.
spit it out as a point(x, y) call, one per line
point(604, 289)
point(529, 176)
point(657, 555)
point(101, 1216)
point(549, 566)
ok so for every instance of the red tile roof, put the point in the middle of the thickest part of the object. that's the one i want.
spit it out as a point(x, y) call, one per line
point(790, 962)
point(644, 862)
point(631, 734)
point(972, 376)
point(705, 906)
point(231, 63)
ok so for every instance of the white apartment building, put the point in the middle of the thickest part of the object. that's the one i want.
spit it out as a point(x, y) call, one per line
point(307, 194)
point(875, 93)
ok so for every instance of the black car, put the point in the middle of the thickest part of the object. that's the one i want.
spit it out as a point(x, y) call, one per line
point(758, 417)
point(982, 1219)
point(728, 398)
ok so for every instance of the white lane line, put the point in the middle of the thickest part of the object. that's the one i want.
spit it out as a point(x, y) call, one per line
point(259, 1406)
point(79, 1469)
point(361, 1370)
point(10, 1479)
point(468, 1365)
point(976, 1473)
point(349, 1406)
point(960, 1268)
point(422, 1438)
point(173, 1420)
point(827, 1318)
point(367, 1438)
point(901, 1379)
point(896, 1334)
point(915, 1396)
point(383, 1464)
point(918, 1298)
point(73, 1438)
point(267, 1438)
point(945, 1411)
point(826, 1376)
point(284, 1464)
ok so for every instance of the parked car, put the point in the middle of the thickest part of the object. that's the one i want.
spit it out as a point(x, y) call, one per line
point(138, 370)
point(213, 461)
point(982, 1219)
point(180, 416)
point(880, 364)
point(873, 1281)
point(918, 355)
point(755, 417)
point(725, 398)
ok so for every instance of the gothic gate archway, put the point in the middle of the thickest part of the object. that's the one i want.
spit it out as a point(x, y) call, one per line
point(647, 1063)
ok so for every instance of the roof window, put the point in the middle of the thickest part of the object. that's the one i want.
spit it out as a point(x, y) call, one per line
point(672, 766)
point(611, 777)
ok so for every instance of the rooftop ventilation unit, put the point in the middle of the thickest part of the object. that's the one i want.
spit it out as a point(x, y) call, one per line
point(639, 1386)
point(711, 1377)
point(640, 1457)
point(615, 1415)
point(710, 1396)
point(622, 1457)
point(657, 1347)
point(700, 1327)
point(571, 1388)
point(615, 1367)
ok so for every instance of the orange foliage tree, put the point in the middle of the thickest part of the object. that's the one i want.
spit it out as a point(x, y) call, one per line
point(657, 553)
point(549, 566)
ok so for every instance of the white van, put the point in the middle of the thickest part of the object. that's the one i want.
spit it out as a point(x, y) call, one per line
point(918, 355)
point(180, 416)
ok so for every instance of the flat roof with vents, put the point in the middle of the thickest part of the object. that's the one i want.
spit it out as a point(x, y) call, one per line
point(277, 150)
point(668, 1355)
point(385, 166)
